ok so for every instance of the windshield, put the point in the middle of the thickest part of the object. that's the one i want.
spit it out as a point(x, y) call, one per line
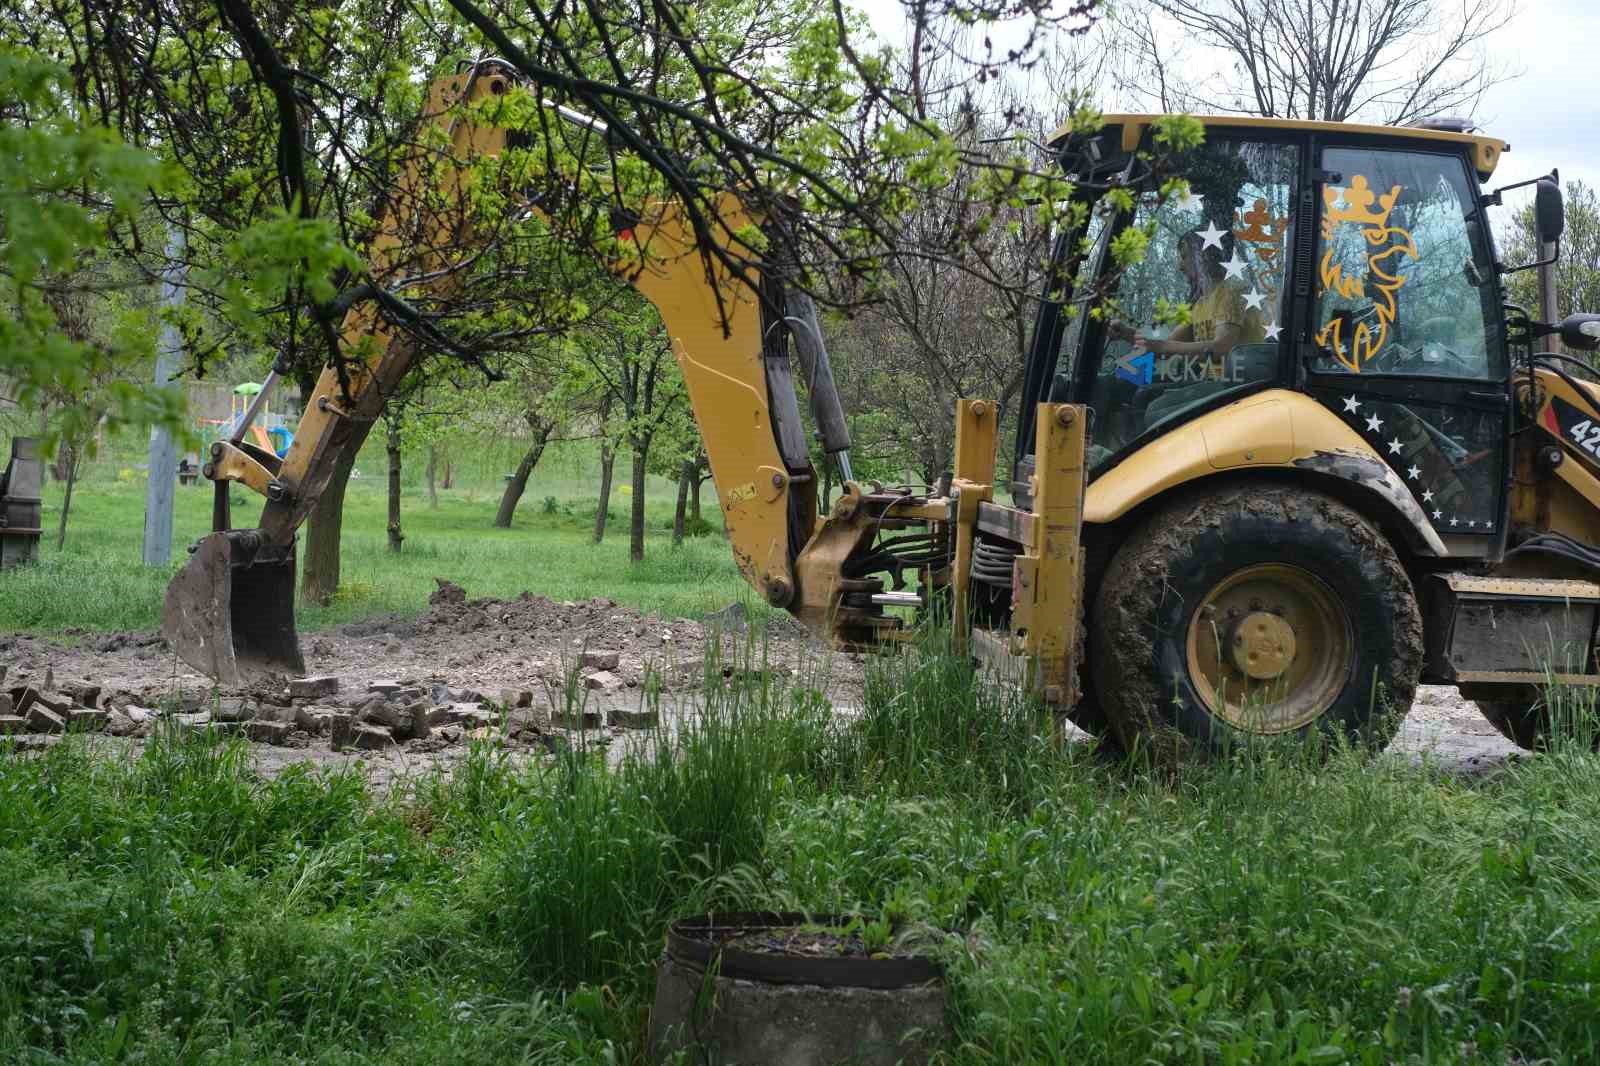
point(1400, 258)
point(1199, 317)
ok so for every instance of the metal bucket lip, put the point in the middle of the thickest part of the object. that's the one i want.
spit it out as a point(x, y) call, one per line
point(686, 943)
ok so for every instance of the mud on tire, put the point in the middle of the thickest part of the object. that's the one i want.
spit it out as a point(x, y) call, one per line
point(1172, 566)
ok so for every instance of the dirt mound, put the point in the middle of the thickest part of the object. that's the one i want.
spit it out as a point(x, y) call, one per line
point(447, 592)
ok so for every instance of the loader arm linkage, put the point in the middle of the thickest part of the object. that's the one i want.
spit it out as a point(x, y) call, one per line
point(230, 611)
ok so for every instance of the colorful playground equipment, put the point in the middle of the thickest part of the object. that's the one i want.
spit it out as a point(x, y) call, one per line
point(269, 431)
point(275, 438)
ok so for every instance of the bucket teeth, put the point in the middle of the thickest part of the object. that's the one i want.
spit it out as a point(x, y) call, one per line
point(229, 613)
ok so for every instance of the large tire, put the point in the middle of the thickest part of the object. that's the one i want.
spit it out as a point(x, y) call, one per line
point(1211, 580)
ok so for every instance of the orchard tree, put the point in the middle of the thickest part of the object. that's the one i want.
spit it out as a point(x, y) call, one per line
point(75, 336)
point(628, 354)
point(1388, 61)
point(1578, 269)
point(293, 131)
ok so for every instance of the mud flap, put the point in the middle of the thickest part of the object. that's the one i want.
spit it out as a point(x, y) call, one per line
point(230, 611)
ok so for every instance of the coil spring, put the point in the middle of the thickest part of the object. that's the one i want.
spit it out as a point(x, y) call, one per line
point(991, 563)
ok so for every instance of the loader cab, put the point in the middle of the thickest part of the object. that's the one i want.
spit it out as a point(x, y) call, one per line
point(1350, 265)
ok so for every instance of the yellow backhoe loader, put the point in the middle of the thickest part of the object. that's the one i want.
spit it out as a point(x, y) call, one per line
point(1345, 471)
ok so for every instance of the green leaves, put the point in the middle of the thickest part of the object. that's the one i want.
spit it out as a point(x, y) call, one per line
point(282, 254)
point(70, 335)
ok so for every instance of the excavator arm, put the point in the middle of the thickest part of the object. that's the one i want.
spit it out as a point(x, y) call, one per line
point(230, 611)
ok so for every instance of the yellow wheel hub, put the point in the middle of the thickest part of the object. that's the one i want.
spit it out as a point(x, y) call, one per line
point(1262, 646)
point(1270, 648)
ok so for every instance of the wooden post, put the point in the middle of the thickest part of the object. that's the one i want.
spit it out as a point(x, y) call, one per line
point(163, 478)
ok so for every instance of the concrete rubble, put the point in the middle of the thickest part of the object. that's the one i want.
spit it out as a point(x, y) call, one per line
point(386, 714)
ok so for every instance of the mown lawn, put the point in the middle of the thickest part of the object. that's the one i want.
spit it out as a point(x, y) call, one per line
point(97, 581)
point(1271, 908)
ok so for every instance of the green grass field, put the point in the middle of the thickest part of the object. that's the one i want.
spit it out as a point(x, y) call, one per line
point(98, 583)
point(1285, 905)
point(1270, 908)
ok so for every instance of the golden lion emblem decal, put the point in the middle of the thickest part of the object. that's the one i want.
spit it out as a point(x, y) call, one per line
point(1382, 278)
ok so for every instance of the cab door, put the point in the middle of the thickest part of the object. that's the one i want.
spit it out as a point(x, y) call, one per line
point(1404, 338)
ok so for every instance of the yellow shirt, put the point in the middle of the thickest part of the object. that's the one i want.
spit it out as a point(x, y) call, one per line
point(1225, 303)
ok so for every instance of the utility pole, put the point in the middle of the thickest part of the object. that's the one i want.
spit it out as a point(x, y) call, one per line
point(163, 480)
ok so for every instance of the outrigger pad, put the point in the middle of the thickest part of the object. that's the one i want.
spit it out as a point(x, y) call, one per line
point(230, 611)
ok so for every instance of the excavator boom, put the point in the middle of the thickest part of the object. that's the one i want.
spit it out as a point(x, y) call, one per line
point(230, 612)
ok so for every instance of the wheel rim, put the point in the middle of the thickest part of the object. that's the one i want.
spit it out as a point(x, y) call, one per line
point(1270, 648)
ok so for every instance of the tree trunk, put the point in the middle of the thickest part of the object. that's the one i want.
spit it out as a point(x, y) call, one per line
point(449, 476)
point(608, 462)
point(519, 481)
point(65, 460)
point(395, 536)
point(686, 474)
point(636, 515)
point(433, 477)
point(694, 492)
point(319, 579)
point(71, 478)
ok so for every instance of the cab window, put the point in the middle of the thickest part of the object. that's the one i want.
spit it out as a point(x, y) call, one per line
point(1200, 317)
point(1398, 262)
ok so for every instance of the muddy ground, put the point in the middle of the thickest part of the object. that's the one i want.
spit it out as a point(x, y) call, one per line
point(522, 661)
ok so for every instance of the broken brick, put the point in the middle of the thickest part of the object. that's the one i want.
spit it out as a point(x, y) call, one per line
point(120, 725)
point(578, 720)
point(371, 738)
point(603, 681)
point(43, 720)
point(267, 732)
point(86, 693)
point(233, 709)
point(641, 718)
point(601, 660)
point(86, 719)
point(470, 715)
point(309, 688)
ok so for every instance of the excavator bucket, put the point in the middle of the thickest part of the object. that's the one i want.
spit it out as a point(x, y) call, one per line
point(230, 611)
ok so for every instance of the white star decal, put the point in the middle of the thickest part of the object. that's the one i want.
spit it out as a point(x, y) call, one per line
point(1351, 404)
point(1374, 423)
point(1273, 330)
point(1452, 519)
point(1255, 301)
point(1427, 497)
point(1235, 266)
point(1394, 446)
point(1191, 201)
point(1413, 472)
point(1438, 515)
point(1472, 522)
point(1212, 237)
point(1488, 525)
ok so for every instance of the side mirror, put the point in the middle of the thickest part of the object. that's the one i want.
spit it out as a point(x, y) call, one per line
point(1581, 333)
point(1549, 213)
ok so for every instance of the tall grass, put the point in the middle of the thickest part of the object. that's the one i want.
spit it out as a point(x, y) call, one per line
point(1268, 907)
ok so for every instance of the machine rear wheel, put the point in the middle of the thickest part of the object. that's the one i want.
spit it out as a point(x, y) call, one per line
point(1255, 610)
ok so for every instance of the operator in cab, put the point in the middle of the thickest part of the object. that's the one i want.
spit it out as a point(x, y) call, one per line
point(1218, 317)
